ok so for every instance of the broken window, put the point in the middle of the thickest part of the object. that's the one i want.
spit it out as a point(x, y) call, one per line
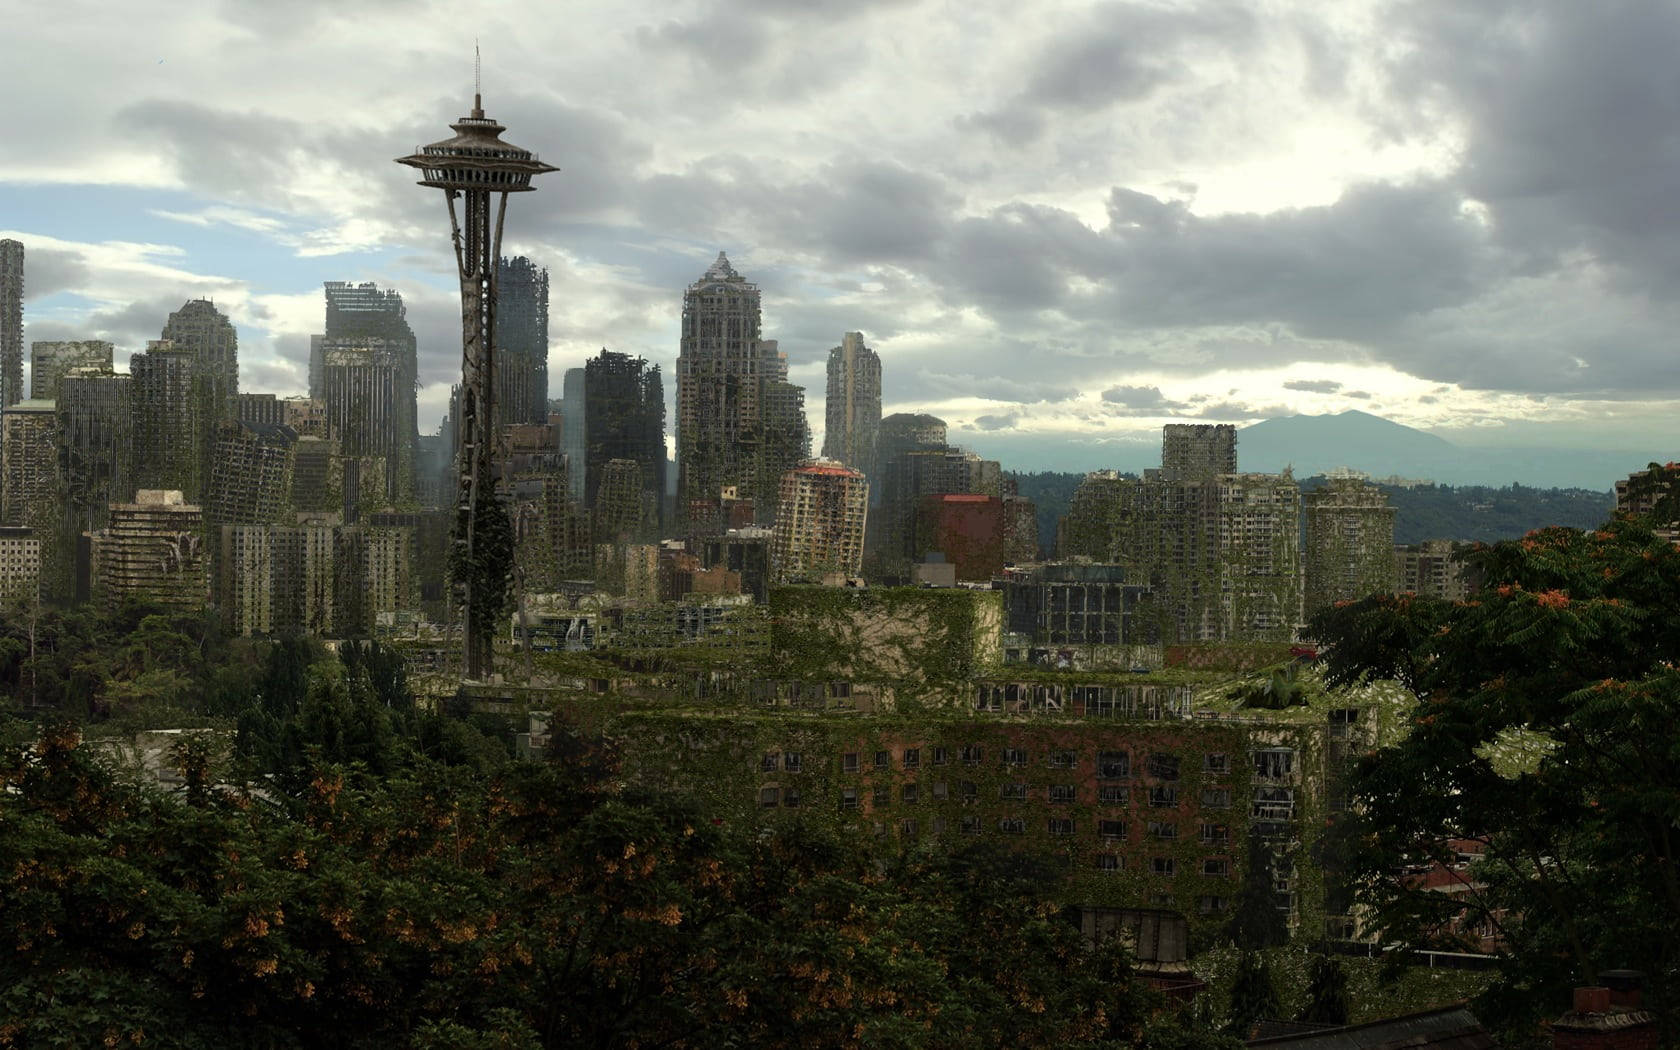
point(1015, 792)
point(772, 761)
point(1274, 763)
point(910, 793)
point(1163, 766)
point(1114, 764)
point(848, 798)
point(912, 757)
point(1111, 829)
point(1108, 862)
point(849, 762)
point(1063, 794)
point(1061, 825)
point(1014, 756)
point(1114, 794)
point(1216, 867)
point(1163, 829)
point(1216, 798)
point(1161, 795)
point(1012, 826)
point(1063, 759)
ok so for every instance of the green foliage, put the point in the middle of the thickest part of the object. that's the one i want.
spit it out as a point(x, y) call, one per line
point(1253, 996)
point(1327, 997)
point(1573, 637)
point(1278, 690)
point(1256, 921)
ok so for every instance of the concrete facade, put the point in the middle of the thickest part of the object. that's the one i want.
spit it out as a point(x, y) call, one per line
point(51, 361)
point(820, 522)
point(11, 322)
point(153, 550)
point(521, 341)
point(853, 405)
point(1350, 544)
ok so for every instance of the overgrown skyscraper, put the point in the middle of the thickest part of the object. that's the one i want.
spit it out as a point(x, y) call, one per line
point(365, 323)
point(521, 341)
point(854, 403)
point(624, 418)
point(739, 424)
point(11, 322)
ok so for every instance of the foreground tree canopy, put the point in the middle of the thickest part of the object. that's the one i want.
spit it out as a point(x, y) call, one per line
point(464, 903)
point(1546, 737)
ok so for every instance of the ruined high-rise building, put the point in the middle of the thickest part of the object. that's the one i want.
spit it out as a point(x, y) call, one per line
point(153, 550)
point(166, 420)
point(11, 322)
point(95, 460)
point(853, 408)
point(48, 361)
point(624, 419)
point(574, 429)
point(29, 465)
point(820, 521)
point(206, 333)
point(728, 437)
point(896, 434)
point(521, 342)
point(369, 400)
point(1350, 543)
point(262, 409)
point(251, 474)
point(1198, 451)
point(366, 316)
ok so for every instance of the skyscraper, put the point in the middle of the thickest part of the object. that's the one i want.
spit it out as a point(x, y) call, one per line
point(1350, 543)
point(521, 341)
point(624, 413)
point(820, 522)
point(366, 316)
point(853, 408)
point(28, 462)
point(166, 420)
point(11, 322)
point(370, 410)
point(95, 460)
point(1198, 451)
point(48, 361)
point(205, 332)
point(153, 550)
point(574, 430)
point(728, 437)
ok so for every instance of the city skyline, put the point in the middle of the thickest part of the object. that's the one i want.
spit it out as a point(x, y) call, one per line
point(1442, 220)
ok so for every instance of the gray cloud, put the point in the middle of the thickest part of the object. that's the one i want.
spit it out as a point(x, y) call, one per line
point(1313, 386)
point(996, 422)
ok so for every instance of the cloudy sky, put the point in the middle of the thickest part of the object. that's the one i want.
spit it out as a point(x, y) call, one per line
point(1060, 224)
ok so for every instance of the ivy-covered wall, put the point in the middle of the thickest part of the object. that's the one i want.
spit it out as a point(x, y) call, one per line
point(920, 646)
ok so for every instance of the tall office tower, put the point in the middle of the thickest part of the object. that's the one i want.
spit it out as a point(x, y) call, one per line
point(20, 564)
point(1350, 543)
point(1197, 451)
point(364, 315)
point(153, 551)
point(574, 424)
point(95, 462)
point(820, 520)
point(205, 332)
point(624, 509)
point(263, 409)
point(898, 433)
point(369, 402)
point(472, 165)
point(914, 474)
point(624, 414)
point(166, 420)
point(853, 408)
point(251, 474)
point(11, 322)
point(521, 341)
point(29, 466)
point(727, 436)
point(49, 361)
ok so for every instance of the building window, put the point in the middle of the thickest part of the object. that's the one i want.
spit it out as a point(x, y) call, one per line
point(1210, 905)
point(769, 798)
point(1063, 759)
point(792, 761)
point(883, 760)
point(1063, 794)
point(1164, 866)
point(1014, 756)
point(971, 825)
point(941, 791)
point(941, 756)
point(1163, 766)
point(1061, 825)
point(1012, 826)
point(1114, 794)
point(848, 798)
point(909, 793)
point(772, 761)
point(1109, 862)
point(790, 798)
point(1163, 796)
point(1274, 763)
point(1114, 765)
point(849, 762)
point(912, 757)
point(1216, 798)
point(1216, 762)
point(1216, 867)
point(939, 825)
point(1215, 834)
point(882, 796)
point(971, 755)
point(1163, 829)
point(908, 829)
point(968, 789)
point(1015, 792)
point(1111, 829)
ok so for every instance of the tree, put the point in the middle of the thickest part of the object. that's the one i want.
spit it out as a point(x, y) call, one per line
point(1327, 1001)
point(1253, 995)
point(1542, 741)
point(1256, 921)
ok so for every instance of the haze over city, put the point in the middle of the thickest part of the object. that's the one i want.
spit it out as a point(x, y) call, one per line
point(1058, 231)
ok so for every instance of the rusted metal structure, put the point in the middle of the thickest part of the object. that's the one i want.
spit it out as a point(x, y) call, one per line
point(473, 166)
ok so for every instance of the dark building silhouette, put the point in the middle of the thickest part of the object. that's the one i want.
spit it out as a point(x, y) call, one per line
point(521, 341)
point(624, 419)
point(11, 322)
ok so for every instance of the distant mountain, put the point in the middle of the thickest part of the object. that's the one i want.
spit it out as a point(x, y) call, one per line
point(1379, 447)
